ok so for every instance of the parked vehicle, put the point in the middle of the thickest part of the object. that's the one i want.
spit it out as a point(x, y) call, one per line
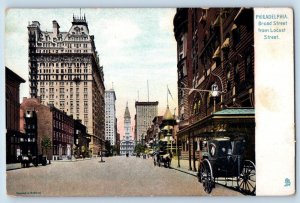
point(25, 160)
point(40, 159)
point(223, 158)
point(162, 158)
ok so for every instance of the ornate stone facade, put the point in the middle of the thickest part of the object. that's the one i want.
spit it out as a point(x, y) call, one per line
point(64, 70)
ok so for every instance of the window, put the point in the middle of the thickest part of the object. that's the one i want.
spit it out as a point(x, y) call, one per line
point(248, 68)
point(62, 103)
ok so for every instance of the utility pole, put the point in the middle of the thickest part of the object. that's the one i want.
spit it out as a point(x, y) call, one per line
point(148, 89)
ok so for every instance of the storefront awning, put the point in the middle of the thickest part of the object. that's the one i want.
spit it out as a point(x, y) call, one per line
point(234, 27)
point(217, 22)
point(236, 111)
point(216, 54)
point(226, 44)
point(229, 115)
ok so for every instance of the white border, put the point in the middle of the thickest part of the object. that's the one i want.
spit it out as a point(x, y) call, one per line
point(274, 102)
point(136, 3)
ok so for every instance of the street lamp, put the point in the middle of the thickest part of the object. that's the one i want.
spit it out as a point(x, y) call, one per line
point(214, 93)
point(101, 151)
point(177, 146)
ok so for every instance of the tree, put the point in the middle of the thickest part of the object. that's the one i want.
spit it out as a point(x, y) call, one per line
point(108, 147)
point(46, 144)
point(139, 148)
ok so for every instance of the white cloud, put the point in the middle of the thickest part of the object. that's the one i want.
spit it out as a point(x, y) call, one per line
point(135, 45)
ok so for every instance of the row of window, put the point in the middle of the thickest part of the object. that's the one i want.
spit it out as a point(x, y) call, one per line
point(48, 51)
point(62, 90)
point(77, 70)
point(62, 65)
point(61, 96)
point(60, 77)
point(60, 83)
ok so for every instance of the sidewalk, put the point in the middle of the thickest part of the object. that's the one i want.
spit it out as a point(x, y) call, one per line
point(184, 166)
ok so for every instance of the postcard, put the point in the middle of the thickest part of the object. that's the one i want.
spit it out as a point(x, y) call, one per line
point(150, 102)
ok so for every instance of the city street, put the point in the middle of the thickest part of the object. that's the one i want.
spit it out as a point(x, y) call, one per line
point(117, 176)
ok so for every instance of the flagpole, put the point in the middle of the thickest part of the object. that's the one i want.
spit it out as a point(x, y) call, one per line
point(167, 96)
point(148, 89)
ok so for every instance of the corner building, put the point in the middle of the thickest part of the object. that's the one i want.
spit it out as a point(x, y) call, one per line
point(64, 70)
point(215, 47)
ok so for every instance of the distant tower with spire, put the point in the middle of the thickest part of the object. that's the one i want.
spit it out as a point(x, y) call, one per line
point(127, 124)
point(127, 144)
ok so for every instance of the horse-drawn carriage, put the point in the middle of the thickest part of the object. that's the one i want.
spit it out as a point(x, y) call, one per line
point(26, 160)
point(222, 159)
point(162, 157)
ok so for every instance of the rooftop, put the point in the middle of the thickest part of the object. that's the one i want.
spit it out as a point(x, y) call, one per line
point(236, 111)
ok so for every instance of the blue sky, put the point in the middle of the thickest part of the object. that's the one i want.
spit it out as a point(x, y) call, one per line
point(134, 45)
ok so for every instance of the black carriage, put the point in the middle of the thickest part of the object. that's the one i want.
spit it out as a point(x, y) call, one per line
point(222, 160)
point(26, 160)
point(162, 158)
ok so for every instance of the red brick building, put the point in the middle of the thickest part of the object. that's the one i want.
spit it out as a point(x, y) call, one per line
point(153, 131)
point(52, 123)
point(12, 102)
point(215, 49)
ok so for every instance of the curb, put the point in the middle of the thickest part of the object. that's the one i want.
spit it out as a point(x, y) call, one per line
point(192, 173)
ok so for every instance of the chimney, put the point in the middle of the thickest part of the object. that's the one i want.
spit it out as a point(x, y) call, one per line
point(55, 28)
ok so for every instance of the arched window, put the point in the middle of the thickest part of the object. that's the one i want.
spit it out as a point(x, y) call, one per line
point(199, 106)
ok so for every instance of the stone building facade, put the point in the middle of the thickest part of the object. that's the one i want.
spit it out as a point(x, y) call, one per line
point(64, 70)
point(110, 117)
point(127, 143)
point(145, 112)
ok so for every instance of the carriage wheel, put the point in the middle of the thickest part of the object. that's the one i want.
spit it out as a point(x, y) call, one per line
point(207, 180)
point(168, 164)
point(200, 172)
point(247, 179)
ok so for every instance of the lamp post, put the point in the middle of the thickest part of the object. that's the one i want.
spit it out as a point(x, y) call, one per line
point(177, 146)
point(214, 93)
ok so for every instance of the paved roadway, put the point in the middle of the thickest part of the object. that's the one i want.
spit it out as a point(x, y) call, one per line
point(117, 176)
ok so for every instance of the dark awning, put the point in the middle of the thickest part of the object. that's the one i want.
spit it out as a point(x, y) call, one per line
point(229, 115)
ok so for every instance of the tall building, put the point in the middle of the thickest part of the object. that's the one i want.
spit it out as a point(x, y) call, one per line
point(145, 112)
point(215, 65)
point(64, 70)
point(110, 116)
point(12, 102)
point(127, 144)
